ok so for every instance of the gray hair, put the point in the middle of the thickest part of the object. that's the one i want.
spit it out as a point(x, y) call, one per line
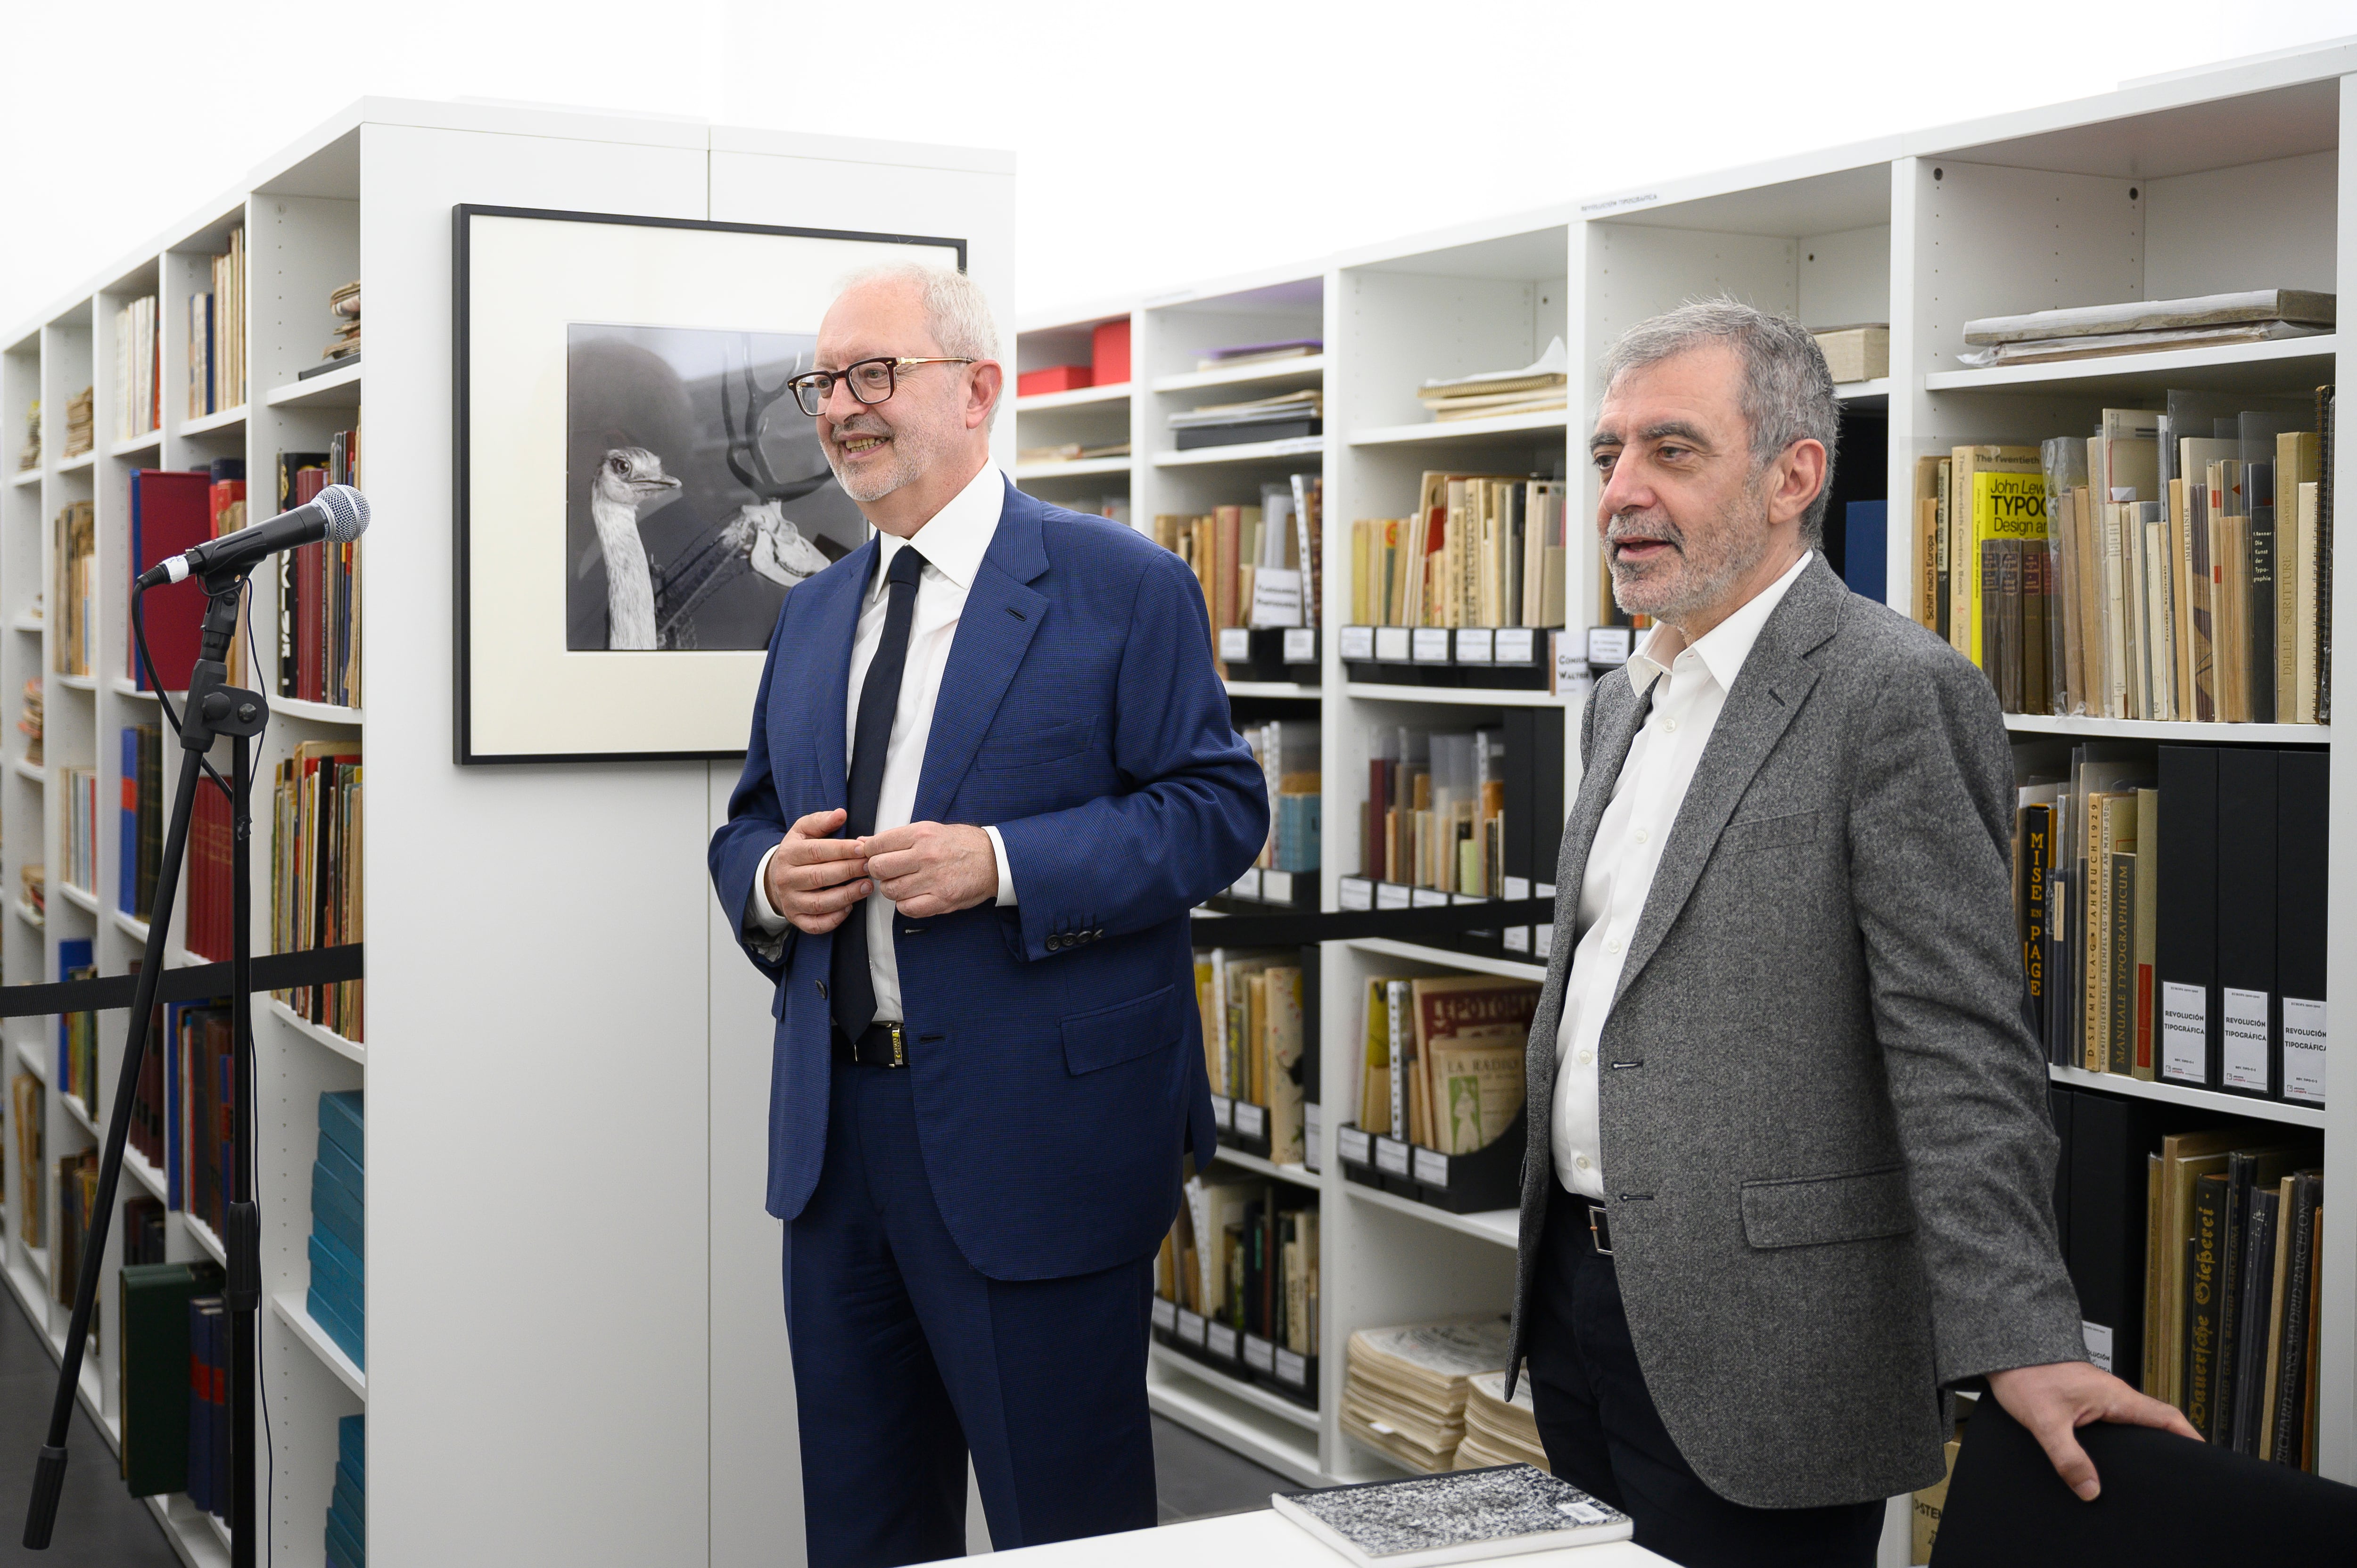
point(1788, 391)
point(957, 312)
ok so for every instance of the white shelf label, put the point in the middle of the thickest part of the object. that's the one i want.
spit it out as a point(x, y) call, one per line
point(2099, 1343)
point(1236, 642)
point(1391, 645)
point(1313, 1136)
point(1219, 1339)
point(1276, 596)
point(1542, 937)
point(1431, 644)
point(1428, 898)
point(1277, 886)
point(1608, 645)
point(1166, 1314)
point(1517, 938)
point(1223, 1112)
point(1354, 1142)
point(1300, 645)
point(2245, 1019)
point(1355, 893)
point(1260, 1355)
point(1392, 894)
point(1247, 885)
point(2184, 1032)
point(1516, 645)
point(1190, 1327)
point(1252, 1121)
point(1391, 1155)
point(1473, 645)
point(1432, 1167)
point(1358, 642)
point(2303, 1041)
point(1293, 1368)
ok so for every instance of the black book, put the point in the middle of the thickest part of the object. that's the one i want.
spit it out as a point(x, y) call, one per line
point(2254, 1312)
point(2303, 784)
point(2259, 497)
point(2241, 1171)
point(2203, 1254)
point(2291, 1375)
point(2112, 1140)
point(1196, 437)
point(2062, 1033)
point(2246, 920)
point(2037, 829)
point(2185, 947)
point(2060, 1103)
point(1252, 1296)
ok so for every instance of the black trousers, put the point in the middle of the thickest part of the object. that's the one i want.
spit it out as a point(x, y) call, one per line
point(1604, 1436)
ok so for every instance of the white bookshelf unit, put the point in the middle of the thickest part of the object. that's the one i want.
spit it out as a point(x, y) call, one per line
point(509, 1373)
point(2104, 198)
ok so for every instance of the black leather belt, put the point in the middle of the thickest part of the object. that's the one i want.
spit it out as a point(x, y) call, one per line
point(880, 1044)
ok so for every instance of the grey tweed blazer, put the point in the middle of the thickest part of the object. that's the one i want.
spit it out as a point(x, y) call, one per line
point(1824, 1132)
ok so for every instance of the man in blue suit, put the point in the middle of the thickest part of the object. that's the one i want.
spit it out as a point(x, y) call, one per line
point(991, 770)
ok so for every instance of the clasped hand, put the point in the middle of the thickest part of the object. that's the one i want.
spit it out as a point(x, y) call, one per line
point(925, 869)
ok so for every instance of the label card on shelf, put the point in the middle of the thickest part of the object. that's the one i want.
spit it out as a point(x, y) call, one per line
point(1252, 1121)
point(1517, 938)
point(1515, 645)
point(1428, 898)
point(1313, 1129)
point(1431, 644)
point(1473, 645)
point(1391, 1155)
point(2245, 1017)
point(1236, 642)
point(1608, 645)
point(1392, 894)
point(1260, 1355)
point(1542, 937)
point(1354, 893)
point(1358, 642)
point(1190, 1327)
point(1166, 1314)
point(1300, 645)
point(1224, 1114)
point(2303, 1047)
point(1391, 645)
point(1277, 886)
point(1432, 1167)
point(1247, 885)
point(1276, 596)
point(1574, 679)
point(1293, 1368)
point(2184, 1032)
point(1219, 1339)
point(1354, 1142)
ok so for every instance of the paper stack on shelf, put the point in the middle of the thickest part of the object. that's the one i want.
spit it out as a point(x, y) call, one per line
point(1278, 418)
point(1536, 387)
point(1072, 452)
point(81, 423)
point(1238, 354)
point(345, 305)
point(2143, 326)
point(1404, 1392)
point(1499, 1431)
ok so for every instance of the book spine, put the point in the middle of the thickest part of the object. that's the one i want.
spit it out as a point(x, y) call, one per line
point(2246, 863)
point(2253, 1313)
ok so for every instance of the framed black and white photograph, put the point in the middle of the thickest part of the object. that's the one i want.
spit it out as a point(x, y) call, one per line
point(637, 489)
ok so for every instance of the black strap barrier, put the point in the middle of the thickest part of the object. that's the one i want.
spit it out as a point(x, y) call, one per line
point(271, 971)
point(1299, 928)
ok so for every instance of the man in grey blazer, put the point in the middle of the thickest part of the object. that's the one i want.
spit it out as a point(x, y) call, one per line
point(1790, 1167)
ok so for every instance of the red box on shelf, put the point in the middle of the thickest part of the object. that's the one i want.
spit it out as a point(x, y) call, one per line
point(1109, 346)
point(1055, 379)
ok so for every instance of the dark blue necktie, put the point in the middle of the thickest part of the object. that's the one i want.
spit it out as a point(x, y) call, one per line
point(851, 989)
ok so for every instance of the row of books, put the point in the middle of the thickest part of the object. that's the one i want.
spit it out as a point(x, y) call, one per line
point(28, 1105)
point(2174, 565)
point(2171, 907)
point(1406, 1389)
point(347, 1504)
point(1249, 559)
point(1286, 750)
point(172, 1366)
point(1253, 1036)
point(1241, 1258)
point(319, 586)
point(77, 824)
point(1483, 550)
point(315, 867)
point(32, 718)
point(2146, 325)
point(1477, 812)
point(2194, 1244)
point(1282, 417)
point(344, 306)
point(217, 335)
point(1442, 1064)
point(140, 844)
point(1541, 387)
point(77, 1192)
point(81, 422)
point(74, 567)
point(139, 367)
point(29, 454)
point(338, 1299)
point(77, 1032)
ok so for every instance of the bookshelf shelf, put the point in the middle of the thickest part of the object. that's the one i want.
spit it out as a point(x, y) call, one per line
point(352, 1050)
point(313, 713)
point(1079, 397)
point(81, 897)
point(1480, 964)
point(1273, 689)
point(2228, 368)
point(203, 1235)
point(1244, 452)
point(1081, 467)
point(1276, 373)
point(2182, 1094)
point(34, 1059)
point(1445, 433)
point(133, 445)
point(144, 1174)
point(227, 420)
point(124, 686)
point(1503, 1226)
point(1299, 1176)
point(330, 388)
point(198, 1547)
point(79, 683)
point(31, 771)
point(1271, 1439)
point(26, 477)
point(79, 1113)
point(38, 1257)
point(29, 915)
point(297, 1316)
point(1237, 1389)
point(78, 462)
point(130, 925)
point(31, 623)
point(1454, 696)
point(2153, 729)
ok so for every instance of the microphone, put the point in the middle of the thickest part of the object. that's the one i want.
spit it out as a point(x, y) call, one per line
point(338, 514)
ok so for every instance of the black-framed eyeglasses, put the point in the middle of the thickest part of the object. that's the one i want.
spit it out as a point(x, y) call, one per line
point(870, 381)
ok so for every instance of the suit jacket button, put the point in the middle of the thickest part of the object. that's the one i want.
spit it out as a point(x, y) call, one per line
point(1055, 944)
point(1097, 935)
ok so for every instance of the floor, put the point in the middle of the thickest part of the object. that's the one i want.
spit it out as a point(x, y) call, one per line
point(1197, 1478)
point(98, 1525)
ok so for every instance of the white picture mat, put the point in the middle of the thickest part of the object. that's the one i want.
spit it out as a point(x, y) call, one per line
point(527, 279)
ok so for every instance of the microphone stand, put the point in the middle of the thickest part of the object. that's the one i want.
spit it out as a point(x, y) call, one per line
point(214, 709)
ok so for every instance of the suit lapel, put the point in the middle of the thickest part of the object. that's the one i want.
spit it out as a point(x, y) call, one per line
point(1774, 683)
point(1001, 616)
point(835, 624)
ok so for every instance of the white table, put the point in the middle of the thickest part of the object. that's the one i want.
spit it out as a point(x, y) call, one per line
point(1263, 1540)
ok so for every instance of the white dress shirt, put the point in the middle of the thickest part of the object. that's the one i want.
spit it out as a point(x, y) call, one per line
point(953, 542)
point(1689, 690)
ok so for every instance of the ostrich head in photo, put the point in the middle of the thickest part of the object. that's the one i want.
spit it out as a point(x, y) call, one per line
point(630, 475)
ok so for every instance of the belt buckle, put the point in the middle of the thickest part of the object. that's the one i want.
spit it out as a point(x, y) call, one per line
point(900, 1056)
point(1600, 1229)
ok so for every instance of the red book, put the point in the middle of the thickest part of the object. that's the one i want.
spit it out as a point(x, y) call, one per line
point(170, 512)
point(1054, 379)
point(1109, 346)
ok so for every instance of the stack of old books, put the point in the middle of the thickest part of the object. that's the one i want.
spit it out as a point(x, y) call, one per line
point(345, 305)
point(1499, 1430)
point(1284, 417)
point(81, 423)
point(1405, 1389)
point(2147, 326)
point(1536, 387)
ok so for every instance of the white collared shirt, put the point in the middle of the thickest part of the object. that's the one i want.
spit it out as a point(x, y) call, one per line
point(953, 542)
point(1689, 692)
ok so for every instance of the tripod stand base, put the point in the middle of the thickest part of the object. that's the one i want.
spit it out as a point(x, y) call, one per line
point(48, 1485)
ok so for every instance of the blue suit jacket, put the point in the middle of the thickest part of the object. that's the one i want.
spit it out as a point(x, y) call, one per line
point(1057, 1056)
